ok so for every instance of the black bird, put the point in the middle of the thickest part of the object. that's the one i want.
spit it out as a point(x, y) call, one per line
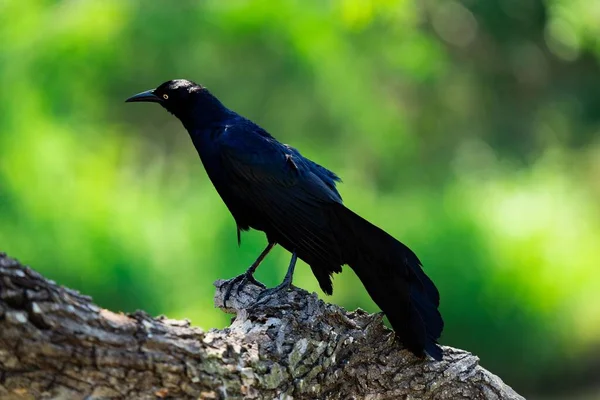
point(269, 186)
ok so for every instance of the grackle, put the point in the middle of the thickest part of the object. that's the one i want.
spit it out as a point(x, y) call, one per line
point(269, 186)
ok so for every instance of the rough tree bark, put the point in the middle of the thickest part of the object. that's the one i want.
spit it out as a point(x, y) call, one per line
point(55, 343)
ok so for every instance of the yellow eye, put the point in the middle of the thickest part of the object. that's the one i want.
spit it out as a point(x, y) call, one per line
point(165, 96)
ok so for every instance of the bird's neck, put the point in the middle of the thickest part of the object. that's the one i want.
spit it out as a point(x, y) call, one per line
point(205, 112)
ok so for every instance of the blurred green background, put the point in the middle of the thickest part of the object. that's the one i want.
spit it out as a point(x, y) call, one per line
point(467, 129)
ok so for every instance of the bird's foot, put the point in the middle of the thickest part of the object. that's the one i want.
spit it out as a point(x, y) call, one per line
point(239, 282)
point(266, 294)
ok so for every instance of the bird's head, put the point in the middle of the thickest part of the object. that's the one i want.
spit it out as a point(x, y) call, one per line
point(185, 99)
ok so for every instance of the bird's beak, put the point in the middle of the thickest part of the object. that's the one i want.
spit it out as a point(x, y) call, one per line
point(147, 96)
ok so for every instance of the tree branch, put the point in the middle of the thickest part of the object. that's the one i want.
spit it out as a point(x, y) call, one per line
point(55, 343)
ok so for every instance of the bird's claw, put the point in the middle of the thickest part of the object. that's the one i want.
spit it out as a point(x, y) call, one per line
point(266, 294)
point(240, 281)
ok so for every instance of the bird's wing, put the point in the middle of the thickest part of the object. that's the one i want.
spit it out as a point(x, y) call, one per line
point(330, 178)
point(283, 188)
point(250, 157)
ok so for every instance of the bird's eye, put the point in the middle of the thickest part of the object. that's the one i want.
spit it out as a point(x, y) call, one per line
point(165, 96)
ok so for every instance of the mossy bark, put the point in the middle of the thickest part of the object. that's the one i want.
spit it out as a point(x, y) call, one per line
point(56, 344)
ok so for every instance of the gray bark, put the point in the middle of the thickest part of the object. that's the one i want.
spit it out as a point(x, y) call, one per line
point(55, 343)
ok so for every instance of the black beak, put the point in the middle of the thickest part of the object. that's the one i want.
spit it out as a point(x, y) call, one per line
point(147, 96)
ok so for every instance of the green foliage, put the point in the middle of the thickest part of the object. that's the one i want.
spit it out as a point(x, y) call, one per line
point(467, 130)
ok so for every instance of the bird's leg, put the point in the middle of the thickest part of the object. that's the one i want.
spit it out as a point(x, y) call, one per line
point(289, 275)
point(287, 281)
point(248, 276)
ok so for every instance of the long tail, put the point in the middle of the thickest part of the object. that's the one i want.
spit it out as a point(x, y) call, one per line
point(394, 279)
